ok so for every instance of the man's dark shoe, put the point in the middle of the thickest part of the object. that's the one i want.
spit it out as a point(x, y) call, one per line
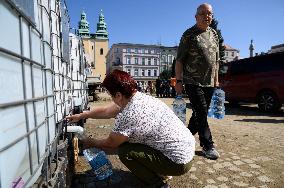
point(165, 186)
point(211, 153)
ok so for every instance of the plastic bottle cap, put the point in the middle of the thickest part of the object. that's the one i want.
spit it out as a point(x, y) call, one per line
point(178, 97)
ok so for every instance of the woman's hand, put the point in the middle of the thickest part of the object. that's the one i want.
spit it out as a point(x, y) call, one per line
point(74, 118)
point(179, 88)
point(216, 84)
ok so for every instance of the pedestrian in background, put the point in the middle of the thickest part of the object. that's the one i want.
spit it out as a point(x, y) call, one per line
point(158, 87)
point(152, 141)
point(197, 67)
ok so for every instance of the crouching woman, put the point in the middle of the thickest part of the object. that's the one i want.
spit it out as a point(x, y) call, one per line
point(151, 140)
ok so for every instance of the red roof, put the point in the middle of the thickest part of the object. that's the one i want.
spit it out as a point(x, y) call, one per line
point(227, 47)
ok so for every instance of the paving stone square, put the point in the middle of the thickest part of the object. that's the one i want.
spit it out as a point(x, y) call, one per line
point(246, 139)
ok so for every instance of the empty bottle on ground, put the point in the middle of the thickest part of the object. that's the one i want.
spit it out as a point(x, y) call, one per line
point(179, 108)
point(217, 108)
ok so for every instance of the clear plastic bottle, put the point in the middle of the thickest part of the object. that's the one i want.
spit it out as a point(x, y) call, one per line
point(99, 162)
point(217, 108)
point(179, 108)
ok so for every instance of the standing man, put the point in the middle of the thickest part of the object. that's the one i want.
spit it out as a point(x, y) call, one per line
point(197, 68)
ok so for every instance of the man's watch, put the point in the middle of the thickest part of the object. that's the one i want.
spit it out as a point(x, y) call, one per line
point(179, 81)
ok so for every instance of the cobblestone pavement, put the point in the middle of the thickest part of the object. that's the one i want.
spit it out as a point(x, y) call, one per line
point(251, 145)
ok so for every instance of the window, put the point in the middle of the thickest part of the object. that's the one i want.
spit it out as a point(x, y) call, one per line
point(117, 61)
point(258, 64)
point(129, 71)
point(92, 47)
point(149, 61)
point(116, 50)
point(136, 50)
point(164, 58)
point(128, 50)
point(128, 61)
point(155, 61)
point(155, 72)
point(142, 72)
point(170, 59)
point(136, 60)
point(227, 54)
point(135, 72)
point(101, 51)
point(149, 72)
point(143, 51)
point(143, 61)
point(233, 54)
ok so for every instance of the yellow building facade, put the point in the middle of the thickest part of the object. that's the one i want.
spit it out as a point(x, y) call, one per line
point(96, 46)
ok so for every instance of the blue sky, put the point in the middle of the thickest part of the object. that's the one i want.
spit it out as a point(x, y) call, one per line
point(164, 21)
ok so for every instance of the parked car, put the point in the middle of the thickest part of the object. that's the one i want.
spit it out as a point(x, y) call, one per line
point(258, 79)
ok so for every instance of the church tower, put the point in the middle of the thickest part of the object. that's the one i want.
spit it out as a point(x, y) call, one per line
point(251, 48)
point(95, 45)
point(101, 46)
point(101, 28)
point(84, 28)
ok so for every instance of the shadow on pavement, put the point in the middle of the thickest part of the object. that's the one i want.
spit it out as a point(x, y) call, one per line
point(125, 179)
point(199, 153)
point(250, 110)
point(275, 121)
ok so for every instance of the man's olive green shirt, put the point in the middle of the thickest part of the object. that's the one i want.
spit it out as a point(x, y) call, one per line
point(198, 51)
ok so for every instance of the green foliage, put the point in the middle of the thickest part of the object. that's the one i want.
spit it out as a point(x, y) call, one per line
point(165, 75)
point(214, 25)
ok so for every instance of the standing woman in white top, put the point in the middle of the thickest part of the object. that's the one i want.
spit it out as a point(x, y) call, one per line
point(151, 140)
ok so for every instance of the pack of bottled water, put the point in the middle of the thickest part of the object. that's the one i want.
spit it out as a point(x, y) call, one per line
point(179, 108)
point(217, 108)
point(99, 162)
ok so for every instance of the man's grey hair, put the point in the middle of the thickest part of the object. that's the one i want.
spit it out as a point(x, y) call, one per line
point(201, 6)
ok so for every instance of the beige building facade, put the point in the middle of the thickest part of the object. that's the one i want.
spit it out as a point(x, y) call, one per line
point(96, 46)
point(100, 52)
point(231, 54)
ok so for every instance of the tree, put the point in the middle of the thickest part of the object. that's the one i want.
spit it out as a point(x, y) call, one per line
point(214, 25)
point(165, 75)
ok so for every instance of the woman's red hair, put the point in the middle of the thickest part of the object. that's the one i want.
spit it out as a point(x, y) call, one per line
point(120, 81)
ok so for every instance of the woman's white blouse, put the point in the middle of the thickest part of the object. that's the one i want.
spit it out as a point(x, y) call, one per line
point(147, 120)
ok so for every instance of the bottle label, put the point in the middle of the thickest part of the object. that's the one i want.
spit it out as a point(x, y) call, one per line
point(179, 108)
point(101, 166)
point(217, 109)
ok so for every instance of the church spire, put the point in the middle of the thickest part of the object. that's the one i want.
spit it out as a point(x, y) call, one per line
point(84, 28)
point(251, 48)
point(101, 28)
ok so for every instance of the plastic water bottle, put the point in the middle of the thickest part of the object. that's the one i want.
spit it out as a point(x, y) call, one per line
point(179, 108)
point(217, 108)
point(99, 163)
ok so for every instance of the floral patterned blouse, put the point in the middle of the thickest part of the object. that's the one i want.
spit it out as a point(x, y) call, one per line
point(147, 120)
